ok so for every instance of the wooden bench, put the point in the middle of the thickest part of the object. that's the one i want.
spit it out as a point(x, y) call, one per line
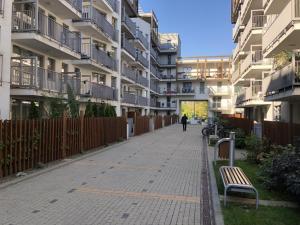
point(234, 179)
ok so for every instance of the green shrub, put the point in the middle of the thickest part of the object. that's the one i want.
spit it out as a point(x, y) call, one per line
point(254, 148)
point(89, 110)
point(281, 170)
point(239, 138)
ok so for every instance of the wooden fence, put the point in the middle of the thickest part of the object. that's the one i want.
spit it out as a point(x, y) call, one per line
point(142, 125)
point(281, 133)
point(244, 124)
point(158, 122)
point(168, 120)
point(175, 119)
point(24, 144)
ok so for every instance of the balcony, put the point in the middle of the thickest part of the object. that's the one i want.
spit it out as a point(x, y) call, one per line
point(238, 28)
point(283, 84)
point(217, 74)
point(220, 91)
point(94, 23)
point(93, 56)
point(252, 34)
point(44, 34)
point(129, 98)
point(283, 31)
point(129, 25)
point(167, 77)
point(224, 107)
point(251, 96)
point(142, 40)
point(154, 71)
point(154, 55)
point(98, 91)
point(64, 9)
point(132, 7)
point(273, 7)
point(142, 59)
point(129, 73)
point(254, 64)
point(129, 48)
point(30, 80)
point(154, 87)
point(142, 101)
point(112, 5)
point(165, 47)
point(246, 8)
point(187, 92)
point(169, 91)
point(142, 81)
point(164, 105)
point(170, 64)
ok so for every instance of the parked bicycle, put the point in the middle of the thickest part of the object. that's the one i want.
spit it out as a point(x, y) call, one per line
point(211, 129)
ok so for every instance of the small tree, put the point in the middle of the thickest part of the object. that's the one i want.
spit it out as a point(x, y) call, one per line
point(89, 110)
point(34, 112)
point(57, 107)
point(95, 110)
point(73, 104)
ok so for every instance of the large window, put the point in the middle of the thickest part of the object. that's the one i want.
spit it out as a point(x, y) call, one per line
point(195, 109)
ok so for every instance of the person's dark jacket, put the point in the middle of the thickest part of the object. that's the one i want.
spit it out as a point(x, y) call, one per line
point(184, 120)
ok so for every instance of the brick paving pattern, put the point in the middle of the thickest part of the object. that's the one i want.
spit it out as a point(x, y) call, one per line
point(152, 179)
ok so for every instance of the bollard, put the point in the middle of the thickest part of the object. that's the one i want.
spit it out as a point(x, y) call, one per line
point(232, 149)
point(216, 130)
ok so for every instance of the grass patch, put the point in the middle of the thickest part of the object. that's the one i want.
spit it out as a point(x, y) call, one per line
point(251, 171)
point(235, 214)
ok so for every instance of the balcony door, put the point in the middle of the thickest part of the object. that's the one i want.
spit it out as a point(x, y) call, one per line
point(51, 26)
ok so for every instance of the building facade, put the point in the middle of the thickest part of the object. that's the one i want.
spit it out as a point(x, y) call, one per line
point(5, 55)
point(281, 42)
point(101, 51)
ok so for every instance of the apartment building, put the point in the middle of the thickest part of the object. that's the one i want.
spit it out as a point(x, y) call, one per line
point(5, 54)
point(62, 46)
point(135, 59)
point(281, 41)
point(203, 86)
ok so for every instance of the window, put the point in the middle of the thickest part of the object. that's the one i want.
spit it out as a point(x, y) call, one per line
point(51, 26)
point(51, 69)
point(202, 88)
point(217, 102)
point(219, 86)
point(169, 59)
point(114, 82)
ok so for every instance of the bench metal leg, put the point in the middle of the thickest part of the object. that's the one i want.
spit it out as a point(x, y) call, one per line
point(225, 196)
point(257, 198)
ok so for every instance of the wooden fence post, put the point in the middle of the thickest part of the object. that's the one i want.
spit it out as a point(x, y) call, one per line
point(64, 135)
point(81, 131)
point(1, 151)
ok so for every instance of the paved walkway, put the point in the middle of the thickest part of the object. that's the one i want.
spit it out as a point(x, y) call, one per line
point(153, 179)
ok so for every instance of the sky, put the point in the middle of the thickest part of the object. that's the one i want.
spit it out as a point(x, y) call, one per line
point(204, 26)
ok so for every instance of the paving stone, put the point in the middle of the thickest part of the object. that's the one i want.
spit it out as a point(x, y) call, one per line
point(152, 179)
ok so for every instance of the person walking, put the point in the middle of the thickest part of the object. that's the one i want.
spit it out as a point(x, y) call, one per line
point(184, 122)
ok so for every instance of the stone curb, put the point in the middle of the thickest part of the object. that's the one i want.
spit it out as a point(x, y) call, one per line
point(219, 220)
point(261, 202)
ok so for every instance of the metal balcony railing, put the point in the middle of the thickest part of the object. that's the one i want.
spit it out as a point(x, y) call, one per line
point(128, 46)
point(129, 23)
point(113, 4)
point(154, 71)
point(154, 53)
point(142, 101)
point(33, 77)
point(94, 16)
point(25, 21)
point(91, 51)
point(168, 76)
point(140, 36)
point(283, 80)
point(142, 59)
point(154, 87)
point(77, 4)
point(187, 91)
point(133, 4)
point(95, 90)
point(257, 21)
point(129, 73)
point(143, 81)
point(129, 98)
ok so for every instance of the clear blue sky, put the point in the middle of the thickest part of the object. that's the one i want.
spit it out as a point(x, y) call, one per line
point(204, 26)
